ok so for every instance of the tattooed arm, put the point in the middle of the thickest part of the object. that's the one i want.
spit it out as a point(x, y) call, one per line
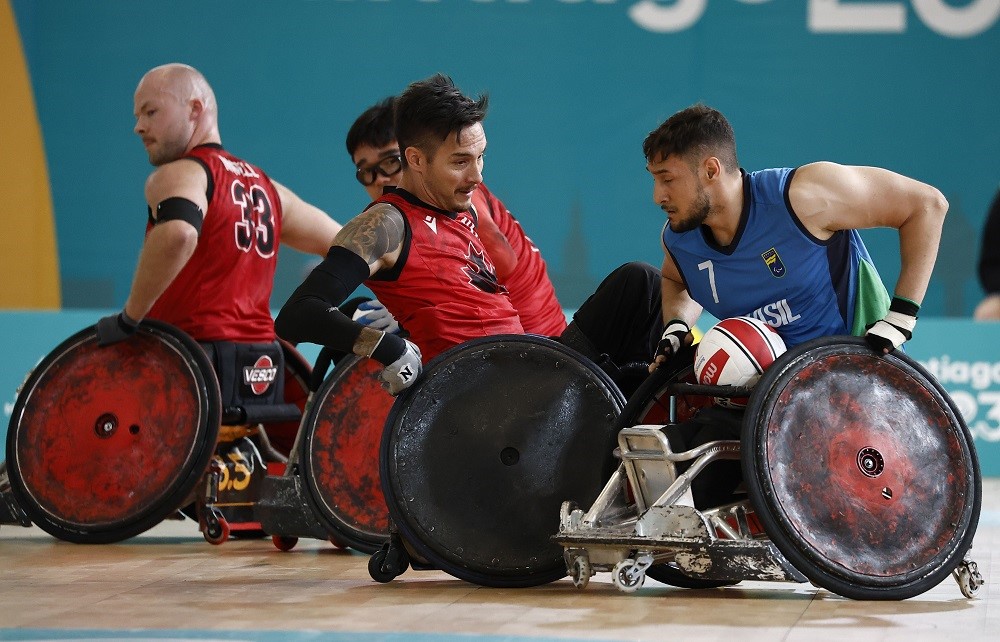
point(375, 235)
point(370, 242)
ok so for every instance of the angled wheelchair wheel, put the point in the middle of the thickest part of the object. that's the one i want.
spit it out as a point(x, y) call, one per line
point(105, 442)
point(479, 455)
point(654, 403)
point(340, 451)
point(297, 373)
point(861, 469)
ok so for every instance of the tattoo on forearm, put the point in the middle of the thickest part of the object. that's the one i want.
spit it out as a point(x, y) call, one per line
point(366, 342)
point(374, 233)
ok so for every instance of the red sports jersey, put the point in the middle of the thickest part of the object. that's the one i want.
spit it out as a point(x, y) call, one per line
point(224, 291)
point(443, 289)
point(530, 289)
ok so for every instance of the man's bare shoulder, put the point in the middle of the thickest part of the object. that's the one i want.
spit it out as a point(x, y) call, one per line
point(183, 177)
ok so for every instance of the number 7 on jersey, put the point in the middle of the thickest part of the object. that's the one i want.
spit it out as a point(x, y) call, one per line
point(707, 265)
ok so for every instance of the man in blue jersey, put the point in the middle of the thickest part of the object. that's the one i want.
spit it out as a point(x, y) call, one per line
point(781, 244)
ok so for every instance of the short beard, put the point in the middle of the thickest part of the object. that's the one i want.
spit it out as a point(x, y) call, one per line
point(167, 154)
point(701, 209)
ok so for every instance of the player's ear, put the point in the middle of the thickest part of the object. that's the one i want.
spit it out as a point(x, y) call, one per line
point(712, 167)
point(415, 158)
point(197, 107)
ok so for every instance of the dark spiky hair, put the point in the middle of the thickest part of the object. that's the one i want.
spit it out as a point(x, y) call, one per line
point(430, 110)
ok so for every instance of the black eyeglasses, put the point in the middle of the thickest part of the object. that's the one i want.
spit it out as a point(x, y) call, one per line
point(388, 166)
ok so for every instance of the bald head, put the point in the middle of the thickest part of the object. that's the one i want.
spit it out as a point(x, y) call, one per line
point(183, 82)
point(175, 110)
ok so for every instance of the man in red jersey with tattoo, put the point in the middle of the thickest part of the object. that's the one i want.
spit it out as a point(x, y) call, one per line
point(417, 247)
point(371, 143)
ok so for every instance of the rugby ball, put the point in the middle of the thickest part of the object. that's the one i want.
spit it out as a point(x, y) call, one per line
point(735, 352)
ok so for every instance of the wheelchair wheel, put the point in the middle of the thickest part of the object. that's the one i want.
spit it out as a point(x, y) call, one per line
point(297, 373)
point(340, 453)
point(105, 442)
point(861, 470)
point(479, 455)
point(654, 403)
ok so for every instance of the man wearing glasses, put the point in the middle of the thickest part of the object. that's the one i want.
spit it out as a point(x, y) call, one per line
point(371, 143)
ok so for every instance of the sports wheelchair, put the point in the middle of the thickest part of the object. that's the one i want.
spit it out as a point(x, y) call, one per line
point(860, 475)
point(330, 488)
point(106, 442)
point(478, 455)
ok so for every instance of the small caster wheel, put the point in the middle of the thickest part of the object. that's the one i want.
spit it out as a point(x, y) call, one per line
point(283, 543)
point(340, 546)
point(216, 529)
point(580, 572)
point(968, 577)
point(387, 563)
point(626, 577)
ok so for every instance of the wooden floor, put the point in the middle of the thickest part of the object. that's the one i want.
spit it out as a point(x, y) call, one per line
point(170, 584)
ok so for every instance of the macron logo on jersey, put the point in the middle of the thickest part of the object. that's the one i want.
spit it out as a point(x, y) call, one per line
point(431, 223)
point(775, 314)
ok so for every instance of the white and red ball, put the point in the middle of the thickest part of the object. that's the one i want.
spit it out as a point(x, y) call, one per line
point(735, 352)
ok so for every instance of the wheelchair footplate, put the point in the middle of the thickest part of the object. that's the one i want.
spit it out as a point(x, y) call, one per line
point(684, 542)
point(679, 544)
point(283, 511)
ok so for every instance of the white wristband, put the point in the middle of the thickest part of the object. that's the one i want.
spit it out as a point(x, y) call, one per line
point(900, 320)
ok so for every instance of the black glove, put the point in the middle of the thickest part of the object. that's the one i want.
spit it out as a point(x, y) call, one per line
point(115, 328)
point(676, 335)
point(886, 335)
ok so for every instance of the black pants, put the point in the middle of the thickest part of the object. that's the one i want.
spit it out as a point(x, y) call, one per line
point(715, 484)
point(619, 325)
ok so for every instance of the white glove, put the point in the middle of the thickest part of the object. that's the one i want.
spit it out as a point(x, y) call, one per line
point(888, 334)
point(372, 314)
point(403, 372)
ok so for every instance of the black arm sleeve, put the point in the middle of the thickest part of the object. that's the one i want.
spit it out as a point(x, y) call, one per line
point(989, 255)
point(311, 315)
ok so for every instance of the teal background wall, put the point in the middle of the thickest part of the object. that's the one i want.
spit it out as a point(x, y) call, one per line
point(576, 85)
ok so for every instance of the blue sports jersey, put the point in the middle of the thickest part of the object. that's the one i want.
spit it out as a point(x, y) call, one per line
point(778, 272)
